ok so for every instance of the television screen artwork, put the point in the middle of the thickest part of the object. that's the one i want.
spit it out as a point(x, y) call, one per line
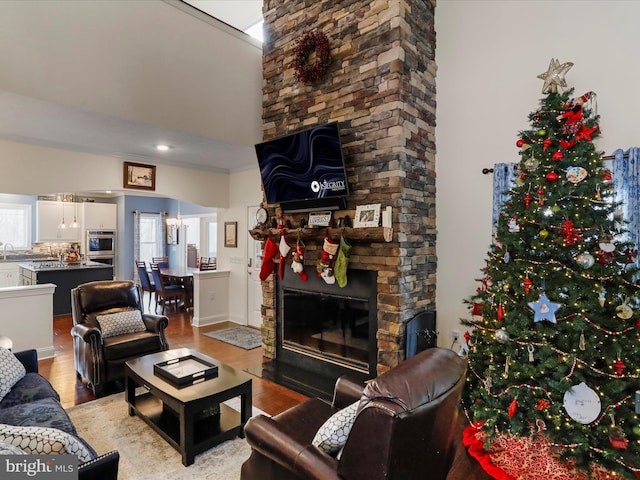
point(303, 166)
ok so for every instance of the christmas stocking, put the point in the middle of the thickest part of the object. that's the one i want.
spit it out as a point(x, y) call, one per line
point(284, 251)
point(342, 261)
point(325, 265)
point(268, 265)
point(298, 261)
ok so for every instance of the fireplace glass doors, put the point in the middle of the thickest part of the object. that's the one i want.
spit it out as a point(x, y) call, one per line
point(328, 326)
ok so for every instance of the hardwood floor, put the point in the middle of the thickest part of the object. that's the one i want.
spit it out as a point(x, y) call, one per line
point(60, 371)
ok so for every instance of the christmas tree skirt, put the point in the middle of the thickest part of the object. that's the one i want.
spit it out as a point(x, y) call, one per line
point(516, 458)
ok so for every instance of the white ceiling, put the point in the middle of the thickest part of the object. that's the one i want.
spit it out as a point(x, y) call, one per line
point(117, 78)
point(240, 14)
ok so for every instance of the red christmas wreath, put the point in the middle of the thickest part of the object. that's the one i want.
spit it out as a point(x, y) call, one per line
point(306, 45)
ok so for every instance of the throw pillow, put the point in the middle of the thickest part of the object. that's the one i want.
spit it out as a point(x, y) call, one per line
point(333, 433)
point(8, 449)
point(129, 321)
point(11, 370)
point(44, 441)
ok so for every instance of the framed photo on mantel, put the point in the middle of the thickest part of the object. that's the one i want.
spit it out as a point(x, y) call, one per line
point(140, 176)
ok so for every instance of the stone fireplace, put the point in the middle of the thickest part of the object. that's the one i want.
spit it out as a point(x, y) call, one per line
point(381, 89)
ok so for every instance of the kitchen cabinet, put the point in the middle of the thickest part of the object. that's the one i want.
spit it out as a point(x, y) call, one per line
point(9, 274)
point(99, 216)
point(49, 215)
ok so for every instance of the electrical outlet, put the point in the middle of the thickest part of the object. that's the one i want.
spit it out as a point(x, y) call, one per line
point(455, 336)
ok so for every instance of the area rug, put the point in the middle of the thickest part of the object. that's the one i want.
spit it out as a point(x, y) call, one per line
point(106, 425)
point(243, 337)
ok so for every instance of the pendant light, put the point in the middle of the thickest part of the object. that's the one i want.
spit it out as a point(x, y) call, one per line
point(62, 225)
point(75, 223)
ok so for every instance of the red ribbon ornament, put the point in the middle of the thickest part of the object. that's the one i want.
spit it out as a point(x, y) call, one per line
point(570, 233)
point(567, 144)
point(619, 367)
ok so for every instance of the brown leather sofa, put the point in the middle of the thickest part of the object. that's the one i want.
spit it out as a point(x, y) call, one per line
point(403, 429)
point(100, 359)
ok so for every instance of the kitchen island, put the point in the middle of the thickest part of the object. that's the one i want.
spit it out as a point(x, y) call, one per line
point(65, 276)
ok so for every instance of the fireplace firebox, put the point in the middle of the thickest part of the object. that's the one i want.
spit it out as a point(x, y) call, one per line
point(327, 330)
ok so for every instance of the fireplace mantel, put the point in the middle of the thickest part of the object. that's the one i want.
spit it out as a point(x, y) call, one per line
point(356, 235)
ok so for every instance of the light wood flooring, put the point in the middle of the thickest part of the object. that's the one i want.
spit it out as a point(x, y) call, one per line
point(60, 371)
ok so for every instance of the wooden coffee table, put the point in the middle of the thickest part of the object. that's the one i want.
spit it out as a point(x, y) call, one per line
point(191, 419)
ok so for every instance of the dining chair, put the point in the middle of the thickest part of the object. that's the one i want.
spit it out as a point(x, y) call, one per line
point(207, 264)
point(166, 292)
point(147, 284)
point(162, 262)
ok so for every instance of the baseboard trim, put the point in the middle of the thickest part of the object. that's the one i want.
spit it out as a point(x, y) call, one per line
point(210, 320)
point(46, 352)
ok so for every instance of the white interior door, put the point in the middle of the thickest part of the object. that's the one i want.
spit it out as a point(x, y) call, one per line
point(254, 286)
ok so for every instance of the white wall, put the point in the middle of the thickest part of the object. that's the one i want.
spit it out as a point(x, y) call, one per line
point(489, 54)
point(30, 169)
point(245, 189)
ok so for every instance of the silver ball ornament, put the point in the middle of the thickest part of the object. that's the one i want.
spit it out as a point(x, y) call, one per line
point(501, 335)
point(585, 260)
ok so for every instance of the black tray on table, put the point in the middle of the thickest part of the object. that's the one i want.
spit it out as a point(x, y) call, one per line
point(185, 371)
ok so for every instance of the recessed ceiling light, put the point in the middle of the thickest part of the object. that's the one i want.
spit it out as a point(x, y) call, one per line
point(162, 147)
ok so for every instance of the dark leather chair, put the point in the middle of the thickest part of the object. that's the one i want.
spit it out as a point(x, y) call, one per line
point(100, 359)
point(403, 430)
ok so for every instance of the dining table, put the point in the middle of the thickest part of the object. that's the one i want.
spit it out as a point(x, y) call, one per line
point(181, 275)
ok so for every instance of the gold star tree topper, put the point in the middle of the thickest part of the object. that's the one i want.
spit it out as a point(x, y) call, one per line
point(554, 76)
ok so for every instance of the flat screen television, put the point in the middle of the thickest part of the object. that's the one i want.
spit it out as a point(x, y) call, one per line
point(304, 170)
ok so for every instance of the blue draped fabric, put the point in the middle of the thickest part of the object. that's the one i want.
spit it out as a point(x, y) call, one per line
point(626, 181)
point(504, 178)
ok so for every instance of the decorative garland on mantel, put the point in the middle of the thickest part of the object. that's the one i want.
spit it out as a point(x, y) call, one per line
point(308, 43)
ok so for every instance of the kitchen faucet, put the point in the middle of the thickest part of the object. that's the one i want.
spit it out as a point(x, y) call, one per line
point(4, 249)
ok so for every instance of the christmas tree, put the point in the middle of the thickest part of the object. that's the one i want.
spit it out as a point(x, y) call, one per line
point(554, 349)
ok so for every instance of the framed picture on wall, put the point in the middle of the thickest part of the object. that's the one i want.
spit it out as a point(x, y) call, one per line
point(140, 176)
point(172, 234)
point(231, 234)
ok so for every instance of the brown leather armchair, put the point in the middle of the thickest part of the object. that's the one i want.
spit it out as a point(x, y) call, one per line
point(100, 359)
point(403, 429)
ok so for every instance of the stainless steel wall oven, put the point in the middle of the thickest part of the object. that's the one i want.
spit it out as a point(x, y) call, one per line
point(101, 246)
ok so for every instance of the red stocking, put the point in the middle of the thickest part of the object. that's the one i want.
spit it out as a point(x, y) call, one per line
point(268, 265)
